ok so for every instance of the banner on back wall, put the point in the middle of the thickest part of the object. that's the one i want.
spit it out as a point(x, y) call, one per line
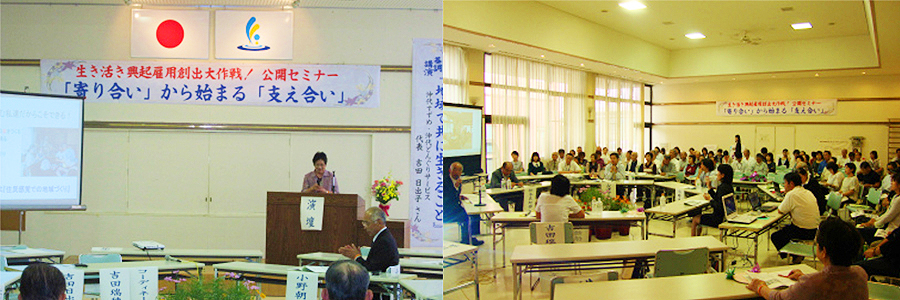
point(776, 108)
point(426, 211)
point(213, 83)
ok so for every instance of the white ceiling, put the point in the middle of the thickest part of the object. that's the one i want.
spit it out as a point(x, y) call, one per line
point(722, 21)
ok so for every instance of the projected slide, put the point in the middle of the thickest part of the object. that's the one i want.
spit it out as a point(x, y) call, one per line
point(462, 131)
point(40, 151)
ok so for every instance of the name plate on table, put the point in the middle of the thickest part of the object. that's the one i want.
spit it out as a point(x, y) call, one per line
point(679, 194)
point(129, 283)
point(311, 209)
point(550, 233)
point(74, 283)
point(301, 285)
point(530, 198)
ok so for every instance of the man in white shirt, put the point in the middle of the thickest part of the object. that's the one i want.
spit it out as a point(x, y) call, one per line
point(569, 166)
point(614, 170)
point(843, 160)
point(738, 163)
point(667, 167)
point(760, 166)
point(804, 210)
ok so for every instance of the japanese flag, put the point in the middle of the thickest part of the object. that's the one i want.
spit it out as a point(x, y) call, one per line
point(170, 33)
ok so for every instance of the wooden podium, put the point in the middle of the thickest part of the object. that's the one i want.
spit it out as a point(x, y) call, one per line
point(341, 226)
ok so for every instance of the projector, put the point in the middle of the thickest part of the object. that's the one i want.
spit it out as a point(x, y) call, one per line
point(148, 245)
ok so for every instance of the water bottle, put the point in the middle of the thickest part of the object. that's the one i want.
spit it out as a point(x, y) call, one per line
point(662, 199)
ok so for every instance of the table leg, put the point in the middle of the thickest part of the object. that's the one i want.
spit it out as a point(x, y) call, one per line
point(475, 262)
point(398, 291)
point(755, 248)
point(674, 222)
point(503, 233)
point(493, 244)
point(517, 282)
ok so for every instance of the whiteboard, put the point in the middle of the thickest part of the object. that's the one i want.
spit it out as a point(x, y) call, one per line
point(168, 172)
point(243, 167)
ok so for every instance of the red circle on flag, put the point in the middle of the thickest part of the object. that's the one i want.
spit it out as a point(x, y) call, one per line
point(169, 33)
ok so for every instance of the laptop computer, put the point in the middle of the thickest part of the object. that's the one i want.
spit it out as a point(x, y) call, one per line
point(757, 204)
point(731, 214)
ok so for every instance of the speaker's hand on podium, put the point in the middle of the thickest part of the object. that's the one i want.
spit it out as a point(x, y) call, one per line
point(350, 251)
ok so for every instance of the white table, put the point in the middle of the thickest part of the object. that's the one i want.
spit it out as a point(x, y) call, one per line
point(9, 279)
point(674, 211)
point(485, 211)
point(420, 252)
point(423, 289)
point(587, 256)
point(201, 255)
point(701, 286)
point(92, 271)
point(536, 177)
point(391, 282)
point(502, 221)
point(407, 265)
point(452, 250)
point(751, 231)
point(27, 255)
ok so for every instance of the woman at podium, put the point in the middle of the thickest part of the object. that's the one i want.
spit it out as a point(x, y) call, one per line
point(320, 180)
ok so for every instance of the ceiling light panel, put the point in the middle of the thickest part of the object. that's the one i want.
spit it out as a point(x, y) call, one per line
point(695, 36)
point(800, 26)
point(632, 5)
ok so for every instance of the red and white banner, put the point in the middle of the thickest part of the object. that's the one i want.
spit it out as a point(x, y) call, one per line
point(213, 83)
point(254, 34)
point(170, 33)
point(824, 107)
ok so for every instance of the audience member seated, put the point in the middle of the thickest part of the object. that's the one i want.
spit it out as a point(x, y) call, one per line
point(569, 166)
point(346, 280)
point(558, 205)
point(836, 180)
point(383, 253)
point(784, 160)
point(837, 245)
point(892, 168)
point(875, 163)
point(518, 166)
point(890, 220)
point(595, 165)
point(505, 172)
point(867, 177)
point(850, 185)
point(614, 170)
point(770, 163)
point(553, 163)
point(453, 209)
point(813, 186)
point(633, 163)
point(804, 210)
point(42, 281)
point(536, 167)
point(667, 167)
point(690, 169)
point(759, 166)
point(725, 176)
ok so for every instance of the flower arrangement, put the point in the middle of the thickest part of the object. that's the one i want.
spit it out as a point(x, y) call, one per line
point(755, 177)
point(220, 288)
point(586, 195)
point(385, 190)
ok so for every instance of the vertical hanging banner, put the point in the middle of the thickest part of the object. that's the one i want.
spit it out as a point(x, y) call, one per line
point(170, 33)
point(254, 34)
point(426, 211)
point(213, 83)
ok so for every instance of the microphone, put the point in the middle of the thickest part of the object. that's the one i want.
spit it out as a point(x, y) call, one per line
point(332, 181)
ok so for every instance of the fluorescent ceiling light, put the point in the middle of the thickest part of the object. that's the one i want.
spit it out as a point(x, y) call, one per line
point(632, 5)
point(799, 26)
point(695, 36)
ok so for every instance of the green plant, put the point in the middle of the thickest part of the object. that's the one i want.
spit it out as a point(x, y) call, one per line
point(221, 288)
point(586, 195)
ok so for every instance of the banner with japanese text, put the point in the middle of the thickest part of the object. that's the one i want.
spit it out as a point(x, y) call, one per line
point(776, 108)
point(213, 83)
point(426, 210)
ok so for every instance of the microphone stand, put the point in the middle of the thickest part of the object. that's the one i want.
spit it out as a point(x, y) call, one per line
point(479, 192)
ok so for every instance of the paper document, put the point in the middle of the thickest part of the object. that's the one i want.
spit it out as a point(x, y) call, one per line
point(106, 249)
point(881, 233)
point(28, 251)
point(772, 279)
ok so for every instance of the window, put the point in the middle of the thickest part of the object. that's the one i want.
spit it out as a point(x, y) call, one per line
point(618, 105)
point(455, 79)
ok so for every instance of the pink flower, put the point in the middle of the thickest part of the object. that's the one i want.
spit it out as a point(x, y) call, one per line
point(640, 209)
point(399, 182)
point(162, 288)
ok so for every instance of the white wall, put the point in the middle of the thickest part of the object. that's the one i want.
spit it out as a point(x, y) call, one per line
point(696, 124)
point(119, 169)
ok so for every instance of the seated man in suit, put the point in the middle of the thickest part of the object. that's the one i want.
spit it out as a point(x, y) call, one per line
point(384, 248)
point(453, 209)
point(346, 280)
point(42, 281)
point(503, 173)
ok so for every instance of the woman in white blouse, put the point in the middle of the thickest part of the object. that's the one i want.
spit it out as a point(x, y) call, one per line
point(558, 206)
point(834, 181)
point(850, 185)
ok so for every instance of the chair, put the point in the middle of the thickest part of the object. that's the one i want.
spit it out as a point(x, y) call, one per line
point(873, 196)
point(681, 262)
point(771, 177)
point(679, 177)
point(594, 277)
point(779, 178)
point(834, 202)
point(94, 289)
point(883, 291)
point(803, 248)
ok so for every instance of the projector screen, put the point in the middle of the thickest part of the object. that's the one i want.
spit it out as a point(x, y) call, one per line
point(40, 151)
point(462, 130)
